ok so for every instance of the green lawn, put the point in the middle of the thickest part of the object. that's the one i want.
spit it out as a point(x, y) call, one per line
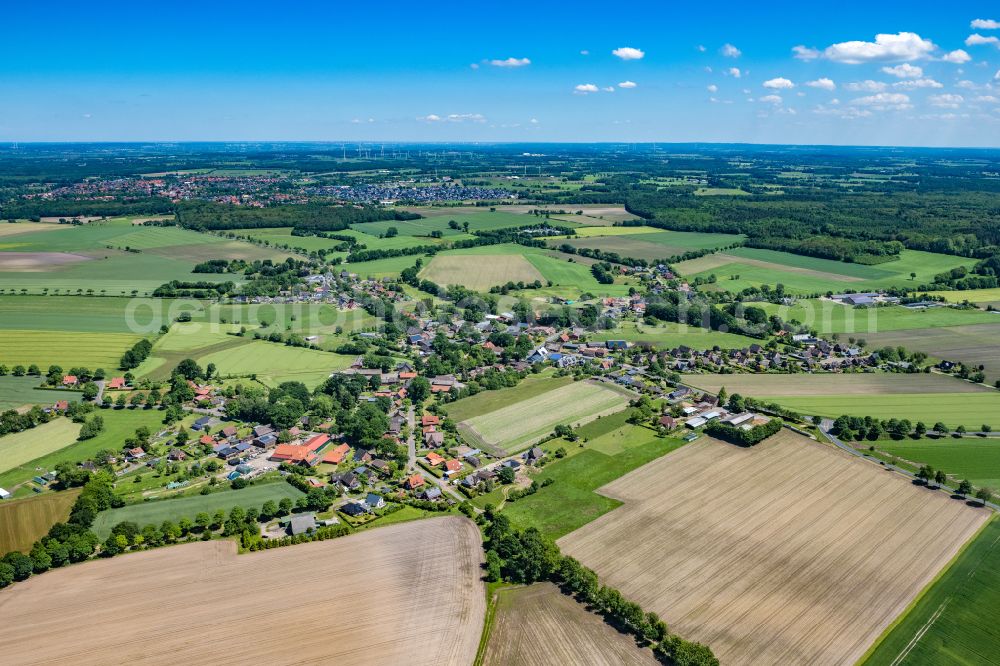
point(571, 501)
point(18, 391)
point(118, 424)
point(20, 447)
point(974, 458)
point(953, 622)
point(156, 512)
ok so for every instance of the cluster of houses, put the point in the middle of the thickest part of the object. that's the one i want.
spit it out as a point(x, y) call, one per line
point(696, 411)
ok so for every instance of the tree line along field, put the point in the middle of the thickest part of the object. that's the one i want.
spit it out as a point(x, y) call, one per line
point(973, 458)
point(539, 625)
point(918, 397)
point(519, 424)
point(828, 317)
point(408, 593)
point(24, 521)
point(745, 267)
point(952, 622)
point(155, 512)
point(114, 258)
point(787, 552)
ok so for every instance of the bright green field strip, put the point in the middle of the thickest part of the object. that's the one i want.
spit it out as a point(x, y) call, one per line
point(516, 426)
point(591, 232)
point(383, 267)
point(277, 362)
point(303, 318)
point(953, 409)
point(21, 447)
point(670, 335)
point(974, 458)
point(571, 501)
point(18, 391)
point(188, 507)
point(118, 424)
point(45, 348)
point(656, 245)
point(489, 401)
point(971, 295)
point(831, 317)
point(954, 622)
point(573, 275)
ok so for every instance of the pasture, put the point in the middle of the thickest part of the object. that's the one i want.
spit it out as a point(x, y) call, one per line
point(669, 335)
point(485, 402)
point(775, 385)
point(407, 593)
point(787, 552)
point(156, 511)
point(951, 624)
point(518, 425)
point(954, 409)
point(45, 348)
point(829, 317)
point(19, 391)
point(652, 245)
point(478, 272)
point(973, 458)
point(751, 267)
point(24, 521)
point(21, 447)
point(274, 363)
point(981, 297)
point(539, 625)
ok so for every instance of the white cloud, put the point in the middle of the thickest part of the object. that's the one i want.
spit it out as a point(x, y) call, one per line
point(585, 88)
point(627, 84)
point(608, 89)
point(996, 77)
point(886, 47)
point(990, 99)
point(533, 121)
point(629, 53)
point(713, 88)
point(958, 57)
point(805, 53)
point(913, 84)
point(884, 101)
point(946, 101)
point(849, 112)
point(510, 62)
point(770, 99)
point(984, 24)
point(454, 118)
point(474, 65)
point(585, 52)
point(701, 48)
point(866, 86)
point(976, 39)
point(904, 71)
point(823, 84)
point(966, 84)
point(779, 83)
point(734, 72)
point(87, 115)
point(730, 51)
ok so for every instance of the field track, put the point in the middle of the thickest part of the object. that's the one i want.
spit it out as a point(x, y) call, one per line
point(786, 553)
point(408, 593)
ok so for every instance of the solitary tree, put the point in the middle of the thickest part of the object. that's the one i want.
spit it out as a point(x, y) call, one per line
point(965, 488)
point(984, 495)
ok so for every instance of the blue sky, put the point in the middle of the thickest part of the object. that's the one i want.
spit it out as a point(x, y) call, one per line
point(811, 73)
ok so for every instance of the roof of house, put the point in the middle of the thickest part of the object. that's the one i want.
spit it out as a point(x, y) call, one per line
point(302, 523)
point(414, 481)
point(434, 459)
point(336, 455)
point(452, 465)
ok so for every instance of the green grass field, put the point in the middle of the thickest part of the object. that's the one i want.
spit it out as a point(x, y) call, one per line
point(115, 258)
point(518, 425)
point(953, 409)
point(63, 348)
point(831, 317)
point(24, 521)
point(750, 267)
point(953, 623)
point(974, 458)
point(188, 507)
point(490, 401)
point(118, 424)
point(835, 384)
point(571, 501)
point(18, 391)
point(20, 447)
point(478, 272)
point(978, 296)
point(653, 245)
point(274, 363)
point(670, 335)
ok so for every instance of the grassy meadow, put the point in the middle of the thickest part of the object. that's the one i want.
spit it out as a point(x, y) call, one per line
point(21, 447)
point(19, 391)
point(24, 521)
point(974, 458)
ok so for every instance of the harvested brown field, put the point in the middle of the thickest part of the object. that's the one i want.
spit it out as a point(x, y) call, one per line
point(25, 228)
point(974, 344)
point(541, 625)
point(767, 386)
point(38, 262)
point(408, 593)
point(790, 552)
